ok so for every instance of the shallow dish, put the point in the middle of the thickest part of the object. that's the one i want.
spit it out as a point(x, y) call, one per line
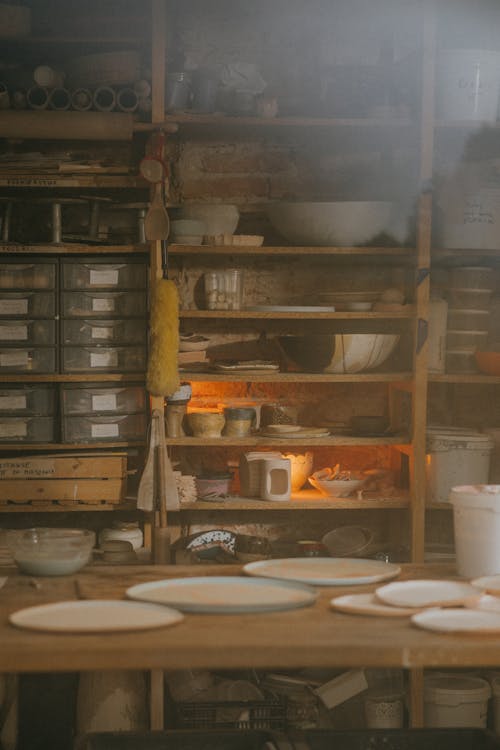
point(471, 621)
point(324, 571)
point(368, 604)
point(426, 593)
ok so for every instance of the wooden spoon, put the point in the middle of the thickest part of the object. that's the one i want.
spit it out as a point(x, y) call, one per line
point(157, 223)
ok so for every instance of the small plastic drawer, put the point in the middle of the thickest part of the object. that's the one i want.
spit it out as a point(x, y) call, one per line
point(104, 304)
point(27, 275)
point(27, 332)
point(86, 429)
point(29, 400)
point(467, 320)
point(31, 359)
point(104, 275)
point(27, 304)
point(104, 359)
point(120, 331)
point(94, 399)
point(26, 429)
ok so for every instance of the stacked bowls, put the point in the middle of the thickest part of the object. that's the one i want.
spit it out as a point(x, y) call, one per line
point(469, 297)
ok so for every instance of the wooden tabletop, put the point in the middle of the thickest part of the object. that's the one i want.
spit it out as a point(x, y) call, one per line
point(314, 636)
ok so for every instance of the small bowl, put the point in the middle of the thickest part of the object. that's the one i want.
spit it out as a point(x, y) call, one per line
point(50, 552)
point(336, 487)
point(207, 424)
point(488, 362)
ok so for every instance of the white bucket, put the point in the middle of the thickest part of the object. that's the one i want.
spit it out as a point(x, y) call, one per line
point(474, 223)
point(454, 457)
point(476, 520)
point(468, 83)
point(438, 313)
point(453, 701)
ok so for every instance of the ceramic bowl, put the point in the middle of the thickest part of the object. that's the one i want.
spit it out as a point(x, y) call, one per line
point(340, 353)
point(218, 218)
point(343, 223)
point(336, 487)
point(301, 465)
point(50, 552)
point(207, 424)
point(488, 362)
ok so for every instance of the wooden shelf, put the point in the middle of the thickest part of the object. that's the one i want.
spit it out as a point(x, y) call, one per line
point(449, 256)
point(399, 252)
point(107, 377)
point(56, 181)
point(34, 41)
point(303, 500)
point(472, 379)
point(439, 506)
point(258, 440)
point(406, 314)
point(70, 248)
point(191, 120)
point(55, 508)
point(102, 445)
point(296, 377)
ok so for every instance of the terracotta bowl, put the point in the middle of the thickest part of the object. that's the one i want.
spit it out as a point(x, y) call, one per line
point(488, 362)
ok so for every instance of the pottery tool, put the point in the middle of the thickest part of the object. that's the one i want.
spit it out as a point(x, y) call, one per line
point(145, 492)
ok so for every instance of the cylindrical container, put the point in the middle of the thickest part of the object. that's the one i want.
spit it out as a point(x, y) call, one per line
point(19, 100)
point(278, 413)
point(438, 313)
point(213, 485)
point(468, 83)
point(384, 711)
point(206, 424)
point(48, 77)
point(127, 100)
point(224, 289)
point(239, 421)
point(455, 701)
point(175, 413)
point(104, 99)
point(455, 457)
point(476, 520)
point(59, 99)
point(81, 99)
point(178, 91)
point(37, 97)
point(275, 479)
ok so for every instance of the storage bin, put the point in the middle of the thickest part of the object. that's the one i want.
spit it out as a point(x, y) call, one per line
point(27, 400)
point(176, 740)
point(92, 399)
point(27, 275)
point(456, 701)
point(26, 429)
point(104, 275)
point(391, 739)
point(461, 319)
point(476, 521)
point(103, 304)
point(92, 428)
point(224, 289)
point(460, 361)
point(28, 332)
point(467, 84)
point(472, 277)
point(466, 340)
point(455, 457)
point(27, 360)
point(120, 331)
point(470, 299)
point(103, 359)
point(27, 304)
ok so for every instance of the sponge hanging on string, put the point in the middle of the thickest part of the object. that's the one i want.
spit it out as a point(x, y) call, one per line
point(163, 374)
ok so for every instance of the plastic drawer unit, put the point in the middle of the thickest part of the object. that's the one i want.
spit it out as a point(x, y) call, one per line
point(118, 331)
point(88, 304)
point(27, 275)
point(27, 360)
point(29, 400)
point(27, 304)
point(26, 429)
point(89, 428)
point(27, 332)
point(103, 359)
point(96, 399)
point(104, 275)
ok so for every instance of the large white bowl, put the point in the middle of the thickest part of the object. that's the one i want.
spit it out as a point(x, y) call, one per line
point(355, 352)
point(337, 487)
point(219, 218)
point(344, 223)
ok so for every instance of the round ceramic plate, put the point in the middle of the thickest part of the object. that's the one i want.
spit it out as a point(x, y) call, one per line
point(368, 604)
point(490, 584)
point(484, 602)
point(425, 593)
point(94, 616)
point(471, 621)
point(224, 594)
point(324, 571)
point(297, 434)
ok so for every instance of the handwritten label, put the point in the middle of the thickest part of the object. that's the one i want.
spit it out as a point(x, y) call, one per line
point(13, 306)
point(16, 428)
point(14, 333)
point(103, 304)
point(13, 403)
point(101, 332)
point(108, 277)
point(104, 403)
point(14, 359)
point(104, 359)
point(105, 430)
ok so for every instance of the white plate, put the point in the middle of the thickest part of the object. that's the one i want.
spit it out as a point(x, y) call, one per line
point(324, 571)
point(458, 621)
point(94, 616)
point(291, 308)
point(484, 602)
point(425, 593)
point(368, 604)
point(248, 366)
point(490, 584)
point(224, 594)
point(305, 433)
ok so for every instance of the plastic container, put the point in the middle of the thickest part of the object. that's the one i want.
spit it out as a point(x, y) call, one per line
point(384, 710)
point(471, 299)
point(104, 304)
point(224, 289)
point(456, 701)
point(468, 83)
point(27, 304)
point(476, 520)
point(472, 277)
point(87, 429)
point(29, 400)
point(26, 429)
point(213, 486)
point(37, 360)
point(461, 319)
point(96, 400)
point(178, 91)
point(28, 332)
point(128, 532)
point(438, 315)
point(460, 361)
point(465, 340)
point(121, 331)
point(50, 552)
point(250, 471)
point(275, 479)
point(103, 359)
point(27, 275)
point(104, 275)
point(455, 457)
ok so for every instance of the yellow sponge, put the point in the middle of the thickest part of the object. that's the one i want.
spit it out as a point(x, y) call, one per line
point(163, 374)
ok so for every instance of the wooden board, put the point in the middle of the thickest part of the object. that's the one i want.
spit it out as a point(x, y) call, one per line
point(67, 490)
point(78, 466)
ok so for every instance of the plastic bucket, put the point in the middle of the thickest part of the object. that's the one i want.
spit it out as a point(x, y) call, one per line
point(452, 701)
point(455, 457)
point(476, 521)
point(468, 84)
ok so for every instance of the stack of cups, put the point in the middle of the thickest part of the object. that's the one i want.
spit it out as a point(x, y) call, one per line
point(469, 299)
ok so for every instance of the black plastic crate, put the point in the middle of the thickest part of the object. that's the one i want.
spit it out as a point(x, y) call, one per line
point(242, 715)
point(173, 740)
point(395, 739)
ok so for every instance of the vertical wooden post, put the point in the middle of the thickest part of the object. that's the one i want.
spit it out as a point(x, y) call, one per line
point(156, 718)
point(416, 703)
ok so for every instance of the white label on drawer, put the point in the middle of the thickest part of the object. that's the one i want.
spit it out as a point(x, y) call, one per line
point(16, 428)
point(105, 430)
point(13, 306)
point(14, 359)
point(108, 277)
point(104, 403)
point(103, 304)
point(104, 359)
point(13, 402)
point(14, 333)
point(101, 332)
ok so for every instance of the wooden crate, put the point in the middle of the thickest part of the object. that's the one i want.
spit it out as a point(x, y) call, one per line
point(68, 479)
